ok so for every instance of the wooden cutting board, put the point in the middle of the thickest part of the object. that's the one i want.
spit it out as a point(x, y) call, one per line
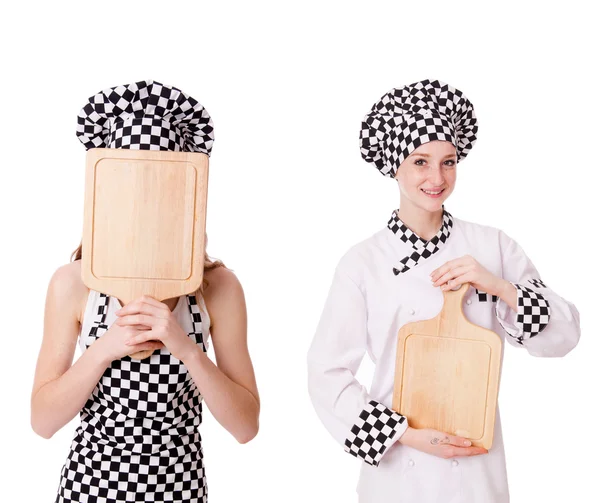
point(448, 372)
point(144, 222)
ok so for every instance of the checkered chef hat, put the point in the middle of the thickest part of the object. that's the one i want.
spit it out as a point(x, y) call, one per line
point(145, 115)
point(406, 118)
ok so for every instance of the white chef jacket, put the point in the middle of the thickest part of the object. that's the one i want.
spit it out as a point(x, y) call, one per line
point(367, 305)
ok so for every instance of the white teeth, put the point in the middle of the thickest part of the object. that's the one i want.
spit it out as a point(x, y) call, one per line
point(432, 193)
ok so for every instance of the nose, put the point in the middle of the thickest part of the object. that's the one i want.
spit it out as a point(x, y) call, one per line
point(436, 176)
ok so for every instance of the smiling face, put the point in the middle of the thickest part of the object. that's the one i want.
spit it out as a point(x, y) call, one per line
point(426, 177)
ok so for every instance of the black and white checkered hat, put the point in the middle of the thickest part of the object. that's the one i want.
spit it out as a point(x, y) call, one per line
point(145, 115)
point(406, 118)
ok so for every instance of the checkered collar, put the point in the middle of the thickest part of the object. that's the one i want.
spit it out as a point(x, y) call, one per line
point(423, 249)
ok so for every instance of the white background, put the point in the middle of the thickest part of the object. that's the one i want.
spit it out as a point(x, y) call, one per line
point(287, 86)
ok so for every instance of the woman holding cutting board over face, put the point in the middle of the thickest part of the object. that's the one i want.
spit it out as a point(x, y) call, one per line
point(417, 135)
point(138, 440)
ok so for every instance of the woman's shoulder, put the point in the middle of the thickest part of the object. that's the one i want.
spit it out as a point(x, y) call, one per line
point(220, 277)
point(365, 253)
point(488, 238)
point(68, 289)
point(478, 231)
point(223, 288)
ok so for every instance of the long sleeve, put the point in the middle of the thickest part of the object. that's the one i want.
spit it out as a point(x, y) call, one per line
point(362, 425)
point(545, 323)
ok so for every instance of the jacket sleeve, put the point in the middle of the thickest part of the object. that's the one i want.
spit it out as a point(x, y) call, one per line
point(362, 425)
point(545, 323)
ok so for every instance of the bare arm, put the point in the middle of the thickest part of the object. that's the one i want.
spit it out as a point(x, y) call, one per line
point(508, 293)
point(59, 389)
point(229, 388)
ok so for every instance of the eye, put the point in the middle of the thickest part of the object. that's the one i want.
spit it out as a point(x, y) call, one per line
point(419, 161)
point(450, 163)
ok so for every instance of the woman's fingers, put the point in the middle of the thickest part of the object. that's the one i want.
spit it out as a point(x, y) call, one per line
point(141, 328)
point(142, 308)
point(148, 335)
point(451, 446)
point(454, 446)
point(452, 451)
point(468, 451)
point(440, 438)
point(440, 444)
point(144, 305)
point(453, 274)
point(146, 345)
point(443, 269)
point(152, 301)
point(454, 440)
point(137, 319)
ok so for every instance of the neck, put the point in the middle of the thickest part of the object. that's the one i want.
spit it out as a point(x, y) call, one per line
point(423, 223)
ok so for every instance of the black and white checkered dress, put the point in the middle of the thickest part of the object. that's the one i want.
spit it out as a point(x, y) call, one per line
point(138, 440)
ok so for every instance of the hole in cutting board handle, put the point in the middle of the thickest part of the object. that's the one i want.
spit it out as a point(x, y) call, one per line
point(455, 296)
point(457, 288)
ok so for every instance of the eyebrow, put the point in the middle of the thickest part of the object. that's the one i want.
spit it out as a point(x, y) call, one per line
point(427, 155)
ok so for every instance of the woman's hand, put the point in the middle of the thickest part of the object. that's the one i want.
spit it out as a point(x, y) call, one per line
point(162, 326)
point(467, 270)
point(439, 444)
point(113, 343)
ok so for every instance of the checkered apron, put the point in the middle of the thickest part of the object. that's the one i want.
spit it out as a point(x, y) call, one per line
point(138, 440)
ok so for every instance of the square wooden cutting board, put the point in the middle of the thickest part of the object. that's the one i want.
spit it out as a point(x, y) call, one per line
point(447, 373)
point(144, 222)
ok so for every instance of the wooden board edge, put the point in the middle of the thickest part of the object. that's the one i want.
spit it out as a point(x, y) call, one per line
point(93, 156)
point(403, 334)
point(495, 344)
point(201, 191)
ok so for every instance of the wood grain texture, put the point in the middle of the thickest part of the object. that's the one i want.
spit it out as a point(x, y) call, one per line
point(144, 222)
point(447, 373)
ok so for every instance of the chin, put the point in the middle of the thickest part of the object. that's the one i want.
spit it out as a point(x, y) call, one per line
point(432, 204)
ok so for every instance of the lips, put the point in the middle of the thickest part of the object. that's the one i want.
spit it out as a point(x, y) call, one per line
point(433, 193)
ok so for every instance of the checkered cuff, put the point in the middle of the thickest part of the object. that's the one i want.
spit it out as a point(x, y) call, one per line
point(378, 428)
point(532, 316)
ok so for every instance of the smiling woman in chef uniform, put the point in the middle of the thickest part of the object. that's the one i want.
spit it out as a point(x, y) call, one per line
point(417, 135)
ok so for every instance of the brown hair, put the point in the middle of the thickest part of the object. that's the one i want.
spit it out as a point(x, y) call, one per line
point(208, 263)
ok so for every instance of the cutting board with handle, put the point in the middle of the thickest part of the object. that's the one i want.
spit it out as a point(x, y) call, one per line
point(144, 223)
point(448, 372)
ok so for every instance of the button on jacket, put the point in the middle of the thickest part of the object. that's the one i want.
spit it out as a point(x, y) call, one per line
point(382, 284)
